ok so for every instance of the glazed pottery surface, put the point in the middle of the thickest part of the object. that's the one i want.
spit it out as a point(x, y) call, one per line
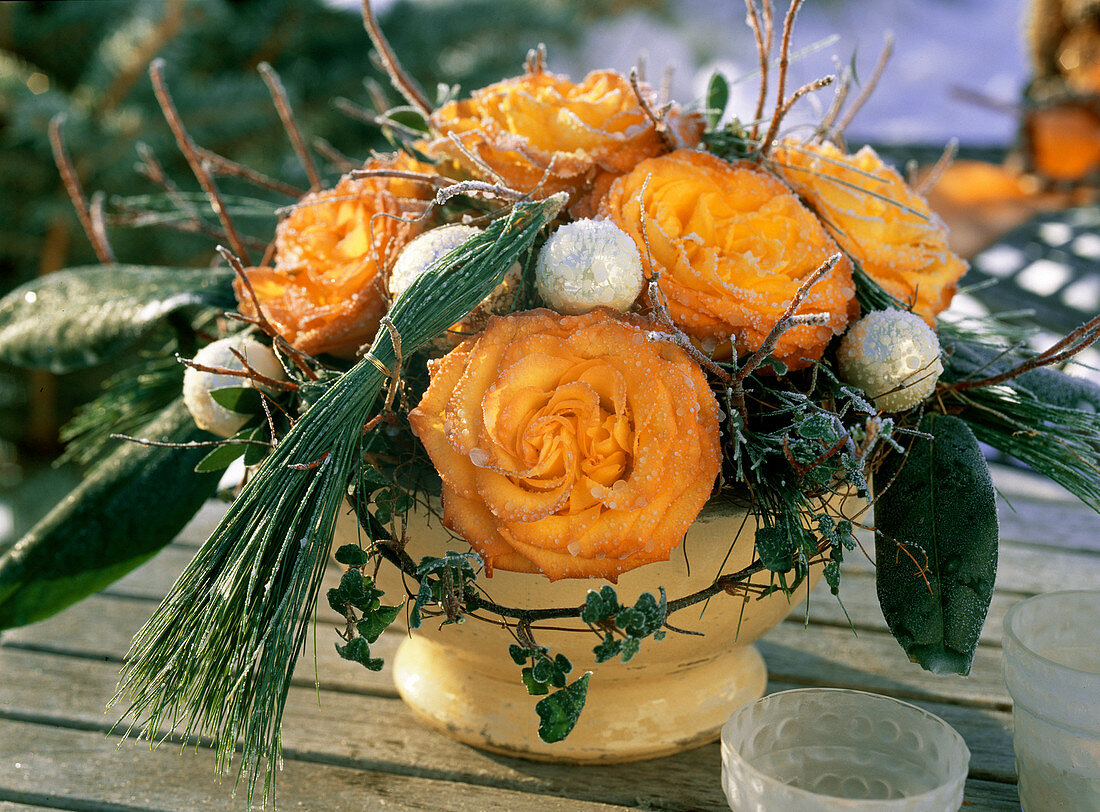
point(674, 694)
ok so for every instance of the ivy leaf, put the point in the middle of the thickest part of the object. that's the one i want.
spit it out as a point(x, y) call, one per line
point(43, 326)
point(559, 712)
point(377, 621)
point(631, 646)
point(774, 548)
point(239, 399)
point(220, 458)
point(518, 654)
point(608, 649)
point(817, 426)
point(535, 687)
point(600, 605)
point(352, 555)
point(936, 545)
point(358, 650)
point(423, 598)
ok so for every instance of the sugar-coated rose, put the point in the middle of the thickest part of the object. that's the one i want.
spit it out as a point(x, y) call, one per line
point(542, 130)
point(570, 445)
point(732, 245)
point(325, 291)
point(887, 227)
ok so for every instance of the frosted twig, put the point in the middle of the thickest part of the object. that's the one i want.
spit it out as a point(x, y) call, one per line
point(286, 115)
point(868, 89)
point(784, 63)
point(403, 83)
point(76, 194)
point(198, 166)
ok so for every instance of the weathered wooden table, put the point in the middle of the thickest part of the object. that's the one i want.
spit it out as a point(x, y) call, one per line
point(361, 749)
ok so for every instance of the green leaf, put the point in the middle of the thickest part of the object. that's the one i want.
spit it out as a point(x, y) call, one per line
point(83, 316)
point(818, 426)
point(377, 621)
point(774, 548)
point(518, 654)
point(220, 457)
point(718, 96)
point(239, 399)
point(600, 605)
point(609, 648)
point(559, 712)
point(631, 646)
point(257, 449)
point(936, 545)
point(126, 509)
point(352, 555)
point(535, 687)
point(358, 650)
point(408, 117)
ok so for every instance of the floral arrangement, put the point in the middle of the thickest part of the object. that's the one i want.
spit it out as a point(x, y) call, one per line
point(567, 315)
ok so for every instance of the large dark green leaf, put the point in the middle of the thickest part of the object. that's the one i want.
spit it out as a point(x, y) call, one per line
point(82, 316)
point(559, 712)
point(127, 508)
point(936, 545)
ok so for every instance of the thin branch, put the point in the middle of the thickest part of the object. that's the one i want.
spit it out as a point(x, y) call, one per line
point(868, 89)
point(95, 214)
point(656, 117)
point(76, 193)
point(842, 90)
point(198, 166)
point(299, 358)
point(248, 374)
point(401, 80)
point(809, 87)
point(437, 181)
point(784, 63)
point(286, 115)
point(475, 159)
point(763, 50)
point(788, 319)
point(229, 168)
point(1065, 349)
point(350, 108)
point(938, 168)
point(338, 159)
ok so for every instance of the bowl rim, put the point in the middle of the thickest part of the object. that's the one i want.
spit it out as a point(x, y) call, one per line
point(1045, 597)
point(957, 775)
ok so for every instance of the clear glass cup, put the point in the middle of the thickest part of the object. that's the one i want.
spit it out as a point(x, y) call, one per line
point(1052, 670)
point(818, 749)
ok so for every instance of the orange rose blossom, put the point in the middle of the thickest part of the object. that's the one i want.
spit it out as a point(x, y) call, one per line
point(732, 244)
point(325, 291)
point(886, 226)
point(542, 131)
point(570, 445)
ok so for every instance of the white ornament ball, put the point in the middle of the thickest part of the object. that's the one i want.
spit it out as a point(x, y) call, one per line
point(893, 356)
point(421, 253)
point(197, 385)
point(586, 264)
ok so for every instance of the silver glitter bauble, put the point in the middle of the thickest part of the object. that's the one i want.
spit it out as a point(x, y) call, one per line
point(588, 264)
point(893, 356)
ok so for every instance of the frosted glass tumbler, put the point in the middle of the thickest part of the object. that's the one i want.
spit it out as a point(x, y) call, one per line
point(818, 749)
point(1052, 669)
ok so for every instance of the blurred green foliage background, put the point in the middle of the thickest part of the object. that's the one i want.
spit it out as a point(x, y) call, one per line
point(89, 59)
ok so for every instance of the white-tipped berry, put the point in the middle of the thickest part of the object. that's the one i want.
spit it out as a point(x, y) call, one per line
point(197, 384)
point(421, 253)
point(586, 264)
point(893, 356)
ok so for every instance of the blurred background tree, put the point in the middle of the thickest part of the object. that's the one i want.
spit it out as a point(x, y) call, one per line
point(89, 60)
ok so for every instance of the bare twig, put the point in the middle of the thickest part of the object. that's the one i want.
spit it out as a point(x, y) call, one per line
point(781, 83)
point(536, 59)
point(401, 80)
point(228, 168)
point(286, 115)
point(248, 374)
point(350, 108)
point(763, 50)
point(76, 193)
point(437, 181)
point(338, 159)
point(299, 358)
point(842, 90)
point(1065, 349)
point(475, 159)
point(809, 87)
point(198, 166)
point(868, 89)
point(938, 168)
point(95, 214)
point(656, 117)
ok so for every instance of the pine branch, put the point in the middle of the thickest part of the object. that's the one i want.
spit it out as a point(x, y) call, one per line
point(218, 654)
